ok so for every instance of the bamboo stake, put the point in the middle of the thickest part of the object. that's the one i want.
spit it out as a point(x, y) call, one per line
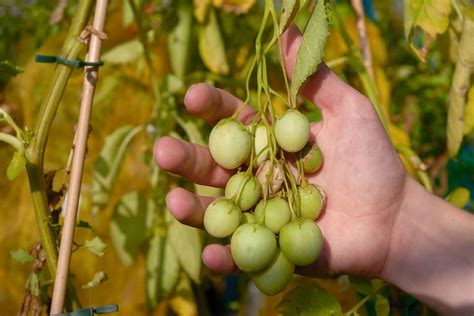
point(363, 38)
point(90, 80)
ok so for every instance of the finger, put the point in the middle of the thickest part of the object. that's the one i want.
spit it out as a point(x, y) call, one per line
point(324, 88)
point(193, 162)
point(187, 207)
point(218, 258)
point(212, 104)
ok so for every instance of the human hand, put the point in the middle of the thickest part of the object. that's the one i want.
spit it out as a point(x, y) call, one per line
point(362, 175)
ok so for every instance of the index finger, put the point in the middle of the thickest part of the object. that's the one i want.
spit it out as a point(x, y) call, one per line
point(213, 104)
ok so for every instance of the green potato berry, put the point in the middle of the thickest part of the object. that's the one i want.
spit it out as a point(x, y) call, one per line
point(245, 188)
point(311, 201)
point(261, 144)
point(230, 143)
point(301, 241)
point(292, 131)
point(253, 247)
point(312, 158)
point(274, 278)
point(221, 218)
point(274, 213)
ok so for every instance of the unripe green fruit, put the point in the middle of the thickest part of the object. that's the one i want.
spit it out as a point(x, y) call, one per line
point(274, 214)
point(253, 247)
point(274, 278)
point(312, 158)
point(292, 131)
point(221, 218)
point(250, 190)
point(261, 144)
point(311, 201)
point(301, 241)
point(230, 143)
point(247, 217)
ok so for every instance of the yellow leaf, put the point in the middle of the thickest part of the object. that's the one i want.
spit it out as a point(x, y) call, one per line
point(201, 7)
point(183, 307)
point(211, 46)
point(398, 135)
point(469, 112)
point(459, 197)
point(234, 6)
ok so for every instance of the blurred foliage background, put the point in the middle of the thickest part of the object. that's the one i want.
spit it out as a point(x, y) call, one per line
point(154, 51)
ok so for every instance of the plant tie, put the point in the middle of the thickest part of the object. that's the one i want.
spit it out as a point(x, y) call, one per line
point(91, 311)
point(78, 63)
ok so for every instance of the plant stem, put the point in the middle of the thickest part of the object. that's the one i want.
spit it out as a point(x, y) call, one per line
point(36, 149)
point(67, 238)
point(11, 140)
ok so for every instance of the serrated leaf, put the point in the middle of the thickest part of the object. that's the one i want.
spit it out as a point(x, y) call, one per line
point(309, 300)
point(124, 53)
point(431, 16)
point(459, 197)
point(289, 9)
point(382, 306)
point(312, 48)
point(187, 245)
point(211, 46)
point(21, 256)
point(16, 165)
point(131, 221)
point(162, 269)
point(361, 285)
point(95, 245)
point(9, 69)
point(99, 278)
point(469, 112)
point(107, 165)
point(179, 39)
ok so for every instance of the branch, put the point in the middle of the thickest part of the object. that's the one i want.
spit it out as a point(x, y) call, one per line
point(363, 39)
point(12, 141)
point(80, 147)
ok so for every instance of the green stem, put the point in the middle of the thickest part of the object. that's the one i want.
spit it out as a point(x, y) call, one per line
point(37, 147)
point(12, 141)
point(356, 307)
point(10, 121)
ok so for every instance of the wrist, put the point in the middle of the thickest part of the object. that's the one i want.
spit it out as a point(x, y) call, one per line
point(430, 254)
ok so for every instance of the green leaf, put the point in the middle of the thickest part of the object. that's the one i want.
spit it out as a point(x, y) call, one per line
point(382, 306)
point(107, 165)
point(289, 9)
point(431, 16)
point(21, 256)
point(95, 245)
point(162, 268)
point(99, 278)
point(211, 46)
point(124, 53)
point(187, 245)
point(33, 281)
point(309, 300)
point(179, 39)
point(9, 69)
point(84, 224)
point(130, 224)
point(16, 165)
point(361, 285)
point(312, 48)
point(459, 197)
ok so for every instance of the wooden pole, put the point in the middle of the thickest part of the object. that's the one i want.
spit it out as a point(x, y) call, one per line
point(67, 237)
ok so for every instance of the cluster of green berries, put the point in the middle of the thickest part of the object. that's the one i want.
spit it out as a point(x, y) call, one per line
point(271, 224)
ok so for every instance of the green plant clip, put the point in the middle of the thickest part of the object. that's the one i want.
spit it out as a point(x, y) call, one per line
point(91, 311)
point(59, 60)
